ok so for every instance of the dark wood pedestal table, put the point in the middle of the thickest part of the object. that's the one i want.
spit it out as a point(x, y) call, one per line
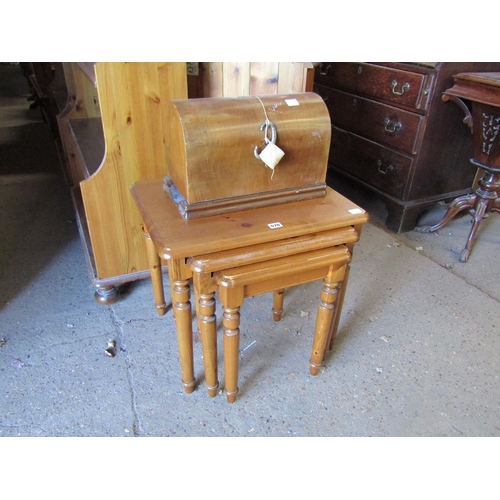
point(241, 254)
point(483, 91)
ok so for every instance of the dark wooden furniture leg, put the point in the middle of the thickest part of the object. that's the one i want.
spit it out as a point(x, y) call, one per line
point(485, 199)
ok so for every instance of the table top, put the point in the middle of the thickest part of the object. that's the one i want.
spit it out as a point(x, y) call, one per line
point(477, 87)
point(175, 237)
point(486, 78)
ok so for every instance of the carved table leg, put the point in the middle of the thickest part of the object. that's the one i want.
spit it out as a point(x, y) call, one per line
point(324, 318)
point(207, 324)
point(156, 276)
point(180, 291)
point(480, 210)
point(456, 206)
point(487, 200)
point(278, 299)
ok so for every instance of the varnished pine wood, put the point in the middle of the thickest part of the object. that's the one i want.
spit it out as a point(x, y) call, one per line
point(278, 300)
point(245, 281)
point(205, 289)
point(175, 237)
point(217, 243)
point(156, 276)
point(326, 316)
point(180, 292)
point(203, 267)
point(131, 100)
point(340, 300)
point(272, 250)
point(128, 100)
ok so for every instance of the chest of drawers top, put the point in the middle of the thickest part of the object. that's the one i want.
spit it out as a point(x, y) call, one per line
point(400, 84)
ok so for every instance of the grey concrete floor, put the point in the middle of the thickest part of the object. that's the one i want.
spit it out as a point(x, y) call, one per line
point(417, 352)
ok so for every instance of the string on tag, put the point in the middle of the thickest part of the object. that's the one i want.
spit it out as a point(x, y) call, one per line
point(268, 121)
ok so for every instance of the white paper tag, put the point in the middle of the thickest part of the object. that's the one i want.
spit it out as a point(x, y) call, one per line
point(356, 211)
point(292, 102)
point(275, 225)
point(271, 155)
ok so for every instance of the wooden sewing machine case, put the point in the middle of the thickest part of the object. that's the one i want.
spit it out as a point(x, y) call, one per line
point(214, 147)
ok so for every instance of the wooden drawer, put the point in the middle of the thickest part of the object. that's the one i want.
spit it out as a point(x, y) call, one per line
point(393, 85)
point(382, 123)
point(376, 165)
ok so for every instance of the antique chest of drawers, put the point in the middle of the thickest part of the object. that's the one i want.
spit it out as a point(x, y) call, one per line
point(392, 133)
point(216, 161)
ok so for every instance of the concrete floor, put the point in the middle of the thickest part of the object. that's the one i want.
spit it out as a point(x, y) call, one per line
point(417, 353)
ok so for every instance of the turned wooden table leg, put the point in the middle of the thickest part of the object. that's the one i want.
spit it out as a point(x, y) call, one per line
point(324, 318)
point(180, 291)
point(278, 299)
point(334, 327)
point(207, 324)
point(156, 276)
point(339, 303)
point(232, 299)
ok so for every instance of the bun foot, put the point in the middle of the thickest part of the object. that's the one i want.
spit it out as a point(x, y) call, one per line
point(106, 295)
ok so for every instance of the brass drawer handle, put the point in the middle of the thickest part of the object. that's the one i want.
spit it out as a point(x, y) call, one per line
point(404, 88)
point(391, 127)
point(387, 169)
point(325, 71)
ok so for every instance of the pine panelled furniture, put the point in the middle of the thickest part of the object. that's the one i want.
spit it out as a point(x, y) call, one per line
point(112, 135)
point(482, 90)
point(245, 253)
point(392, 133)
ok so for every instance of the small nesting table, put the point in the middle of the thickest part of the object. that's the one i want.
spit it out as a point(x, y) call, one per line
point(483, 91)
point(241, 254)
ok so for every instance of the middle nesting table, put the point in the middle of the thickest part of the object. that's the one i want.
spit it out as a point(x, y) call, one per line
point(243, 254)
